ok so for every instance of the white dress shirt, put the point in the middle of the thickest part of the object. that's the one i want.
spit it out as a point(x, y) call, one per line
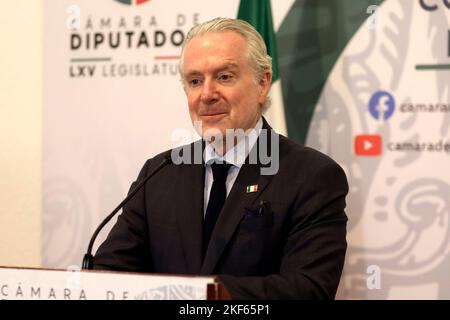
point(235, 156)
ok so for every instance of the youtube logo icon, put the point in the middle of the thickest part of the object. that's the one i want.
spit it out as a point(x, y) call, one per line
point(368, 145)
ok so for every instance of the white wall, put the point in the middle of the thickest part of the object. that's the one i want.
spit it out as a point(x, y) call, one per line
point(20, 132)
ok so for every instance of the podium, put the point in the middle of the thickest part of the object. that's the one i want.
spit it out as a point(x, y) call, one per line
point(73, 284)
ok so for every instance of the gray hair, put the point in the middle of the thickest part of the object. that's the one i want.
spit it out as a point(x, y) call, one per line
point(259, 60)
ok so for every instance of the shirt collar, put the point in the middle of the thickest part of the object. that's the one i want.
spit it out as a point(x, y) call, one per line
point(236, 155)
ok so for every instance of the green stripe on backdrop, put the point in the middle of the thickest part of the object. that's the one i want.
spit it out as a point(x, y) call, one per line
point(259, 14)
point(310, 40)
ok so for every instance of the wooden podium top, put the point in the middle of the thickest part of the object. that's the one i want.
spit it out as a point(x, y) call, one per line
point(73, 284)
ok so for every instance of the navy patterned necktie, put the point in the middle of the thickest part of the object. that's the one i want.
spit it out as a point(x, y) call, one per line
point(217, 198)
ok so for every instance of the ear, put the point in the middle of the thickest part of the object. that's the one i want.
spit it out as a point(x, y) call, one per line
point(264, 87)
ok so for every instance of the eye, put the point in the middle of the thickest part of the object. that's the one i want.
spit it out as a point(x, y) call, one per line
point(194, 82)
point(225, 77)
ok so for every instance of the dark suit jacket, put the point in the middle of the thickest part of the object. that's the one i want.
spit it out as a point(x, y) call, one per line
point(293, 250)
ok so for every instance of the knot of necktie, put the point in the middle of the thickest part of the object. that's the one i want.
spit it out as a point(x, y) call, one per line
point(220, 171)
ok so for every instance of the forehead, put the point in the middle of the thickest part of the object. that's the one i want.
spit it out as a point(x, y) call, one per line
point(215, 48)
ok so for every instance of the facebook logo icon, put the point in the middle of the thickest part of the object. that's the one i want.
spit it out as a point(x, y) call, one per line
point(382, 105)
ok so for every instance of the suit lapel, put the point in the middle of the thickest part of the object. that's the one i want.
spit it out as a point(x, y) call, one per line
point(232, 213)
point(190, 213)
point(234, 208)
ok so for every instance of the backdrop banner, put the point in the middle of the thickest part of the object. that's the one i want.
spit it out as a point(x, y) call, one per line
point(365, 81)
point(112, 99)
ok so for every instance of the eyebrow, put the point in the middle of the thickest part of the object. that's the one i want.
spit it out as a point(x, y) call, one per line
point(226, 66)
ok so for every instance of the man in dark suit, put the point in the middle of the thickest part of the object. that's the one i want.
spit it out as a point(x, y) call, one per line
point(269, 229)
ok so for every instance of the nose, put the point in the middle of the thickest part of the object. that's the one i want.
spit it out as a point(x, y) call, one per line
point(209, 93)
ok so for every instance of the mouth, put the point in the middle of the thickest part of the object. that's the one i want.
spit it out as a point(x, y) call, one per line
point(213, 115)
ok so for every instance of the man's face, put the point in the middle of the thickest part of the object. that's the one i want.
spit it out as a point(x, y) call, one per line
point(221, 88)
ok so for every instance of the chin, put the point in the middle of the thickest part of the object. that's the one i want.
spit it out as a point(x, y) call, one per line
point(212, 131)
